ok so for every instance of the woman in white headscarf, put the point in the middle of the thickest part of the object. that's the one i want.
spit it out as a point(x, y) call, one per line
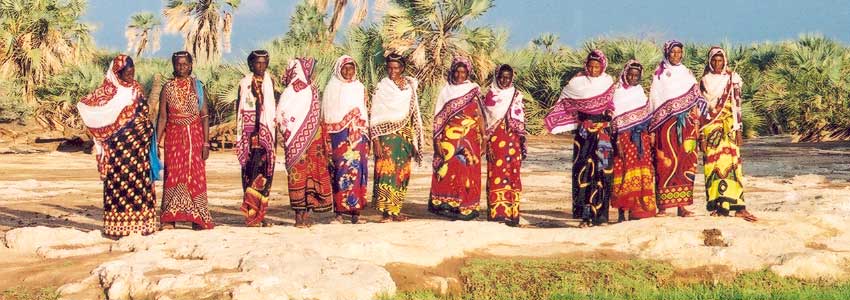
point(396, 132)
point(346, 118)
point(458, 135)
point(585, 107)
point(722, 138)
point(634, 174)
point(116, 115)
point(676, 103)
point(505, 114)
point(305, 143)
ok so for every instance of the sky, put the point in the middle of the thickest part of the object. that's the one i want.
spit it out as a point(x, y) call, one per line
point(741, 21)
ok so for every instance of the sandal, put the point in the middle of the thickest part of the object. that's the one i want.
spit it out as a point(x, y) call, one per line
point(684, 213)
point(337, 220)
point(266, 224)
point(661, 213)
point(400, 218)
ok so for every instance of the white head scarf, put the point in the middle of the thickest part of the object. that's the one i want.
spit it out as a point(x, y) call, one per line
point(344, 101)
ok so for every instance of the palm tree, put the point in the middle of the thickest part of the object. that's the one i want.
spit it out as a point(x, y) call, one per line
point(434, 31)
point(143, 33)
point(546, 41)
point(38, 36)
point(205, 24)
point(360, 7)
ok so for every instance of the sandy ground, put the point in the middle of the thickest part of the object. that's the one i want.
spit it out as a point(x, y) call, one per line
point(799, 190)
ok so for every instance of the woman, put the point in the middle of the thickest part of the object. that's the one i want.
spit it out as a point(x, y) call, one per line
point(255, 138)
point(305, 140)
point(183, 118)
point(676, 103)
point(116, 115)
point(586, 104)
point(503, 108)
point(396, 132)
point(722, 138)
point(458, 136)
point(345, 116)
point(634, 177)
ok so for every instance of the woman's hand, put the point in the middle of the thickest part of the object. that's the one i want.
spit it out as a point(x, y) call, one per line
point(206, 153)
point(739, 138)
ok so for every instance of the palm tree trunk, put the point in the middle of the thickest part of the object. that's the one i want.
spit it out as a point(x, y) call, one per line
point(336, 20)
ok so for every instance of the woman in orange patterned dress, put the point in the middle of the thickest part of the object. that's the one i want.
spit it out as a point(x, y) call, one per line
point(305, 141)
point(184, 130)
point(634, 172)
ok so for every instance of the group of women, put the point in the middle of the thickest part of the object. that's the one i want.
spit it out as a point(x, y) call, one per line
point(633, 152)
point(639, 154)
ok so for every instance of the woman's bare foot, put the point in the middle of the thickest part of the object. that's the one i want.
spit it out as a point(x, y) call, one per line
point(621, 216)
point(584, 224)
point(661, 213)
point(265, 223)
point(684, 213)
point(338, 219)
point(400, 218)
point(299, 219)
point(355, 219)
point(744, 214)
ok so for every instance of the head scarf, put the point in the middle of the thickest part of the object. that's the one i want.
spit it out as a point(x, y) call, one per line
point(668, 49)
point(674, 88)
point(102, 107)
point(501, 103)
point(596, 55)
point(711, 53)
point(344, 100)
point(631, 107)
point(299, 109)
point(632, 64)
point(590, 95)
point(458, 62)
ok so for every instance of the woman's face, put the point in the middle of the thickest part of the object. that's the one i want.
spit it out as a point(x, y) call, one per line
point(260, 65)
point(348, 71)
point(182, 66)
point(633, 77)
point(505, 79)
point(394, 70)
point(676, 55)
point(128, 74)
point(460, 75)
point(717, 62)
point(594, 67)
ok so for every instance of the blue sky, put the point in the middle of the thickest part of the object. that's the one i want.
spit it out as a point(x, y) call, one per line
point(744, 21)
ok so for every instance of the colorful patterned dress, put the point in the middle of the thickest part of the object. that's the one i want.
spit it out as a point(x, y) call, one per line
point(505, 114)
point(305, 140)
point(129, 201)
point(185, 188)
point(345, 116)
point(397, 134)
point(256, 127)
point(724, 177)
point(458, 137)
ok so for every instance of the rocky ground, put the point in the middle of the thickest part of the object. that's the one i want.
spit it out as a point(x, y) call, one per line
point(50, 212)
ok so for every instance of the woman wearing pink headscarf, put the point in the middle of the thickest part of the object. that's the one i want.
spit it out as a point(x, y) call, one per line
point(585, 107)
point(458, 136)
